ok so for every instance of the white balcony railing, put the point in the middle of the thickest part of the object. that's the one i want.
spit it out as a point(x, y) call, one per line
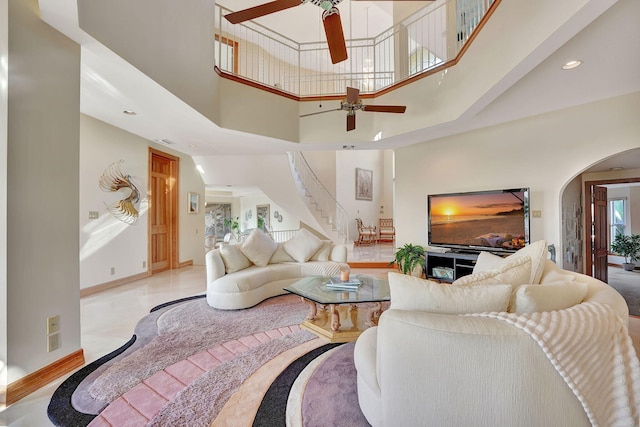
point(425, 40)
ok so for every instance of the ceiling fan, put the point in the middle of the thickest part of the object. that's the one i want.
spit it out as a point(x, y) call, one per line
point(330, 18)
point(353, 103)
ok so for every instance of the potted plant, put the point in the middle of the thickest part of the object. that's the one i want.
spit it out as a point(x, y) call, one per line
point(410, 259)
point(627, 246)
point(233, 224)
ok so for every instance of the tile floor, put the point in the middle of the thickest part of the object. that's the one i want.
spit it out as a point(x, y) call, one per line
point(109, 318)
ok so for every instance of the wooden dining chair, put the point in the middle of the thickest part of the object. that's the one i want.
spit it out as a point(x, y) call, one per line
point(386, 230)
point(367, 235)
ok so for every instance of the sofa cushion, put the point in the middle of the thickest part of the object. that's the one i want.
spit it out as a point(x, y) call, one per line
point(323, 253)
point(414, 293)
point(487, 261)
point(280, 255)
point(233, 258)
point(259, 247)
point(321, 268)
point(302, 246)
point(547, 297)
point(255, 277)
point(537, 251)
point(552, 274)
point(515, 273)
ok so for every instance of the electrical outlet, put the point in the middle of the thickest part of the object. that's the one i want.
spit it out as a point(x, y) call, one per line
point(53, 324)
point(144, 264)
point(94, 215)
point(113, 271)
point(536, 214)
point(53, 342)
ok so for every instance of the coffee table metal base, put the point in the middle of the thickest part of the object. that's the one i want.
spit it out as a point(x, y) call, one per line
point(340, 322)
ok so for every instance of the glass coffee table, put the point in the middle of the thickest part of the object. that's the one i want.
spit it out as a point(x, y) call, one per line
point(339, 318)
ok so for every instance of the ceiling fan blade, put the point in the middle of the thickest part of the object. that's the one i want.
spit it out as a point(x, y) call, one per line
point(385, 108)
point(261, 10)
point(319, 112)
point(335, 35)
point(351, 122)
point(352, 95)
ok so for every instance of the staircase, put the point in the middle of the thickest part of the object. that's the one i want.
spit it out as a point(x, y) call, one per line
point(325, 208)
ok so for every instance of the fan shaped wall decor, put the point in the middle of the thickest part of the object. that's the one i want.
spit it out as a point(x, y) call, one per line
point(114, 180)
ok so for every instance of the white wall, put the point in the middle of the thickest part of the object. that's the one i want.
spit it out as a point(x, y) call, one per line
point(270, 173)
point(42, 139)
point(171, 42)
point(346, 164)
point(107, 242)
point(289, 222)
point(543, 152)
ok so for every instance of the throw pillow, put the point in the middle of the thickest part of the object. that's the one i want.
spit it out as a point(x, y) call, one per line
point(259, 247)
point(515, 273)
point(323, 253)
point(234, 259)
point(547, 297)
point(280, 255)
point(537, 251)
point(414, 293)
point(487, 261)
point(302, 246)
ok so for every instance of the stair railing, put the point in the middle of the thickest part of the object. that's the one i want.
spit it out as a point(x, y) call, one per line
point(318, 195)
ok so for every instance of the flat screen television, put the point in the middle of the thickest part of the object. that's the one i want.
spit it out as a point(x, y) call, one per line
point(496, 220)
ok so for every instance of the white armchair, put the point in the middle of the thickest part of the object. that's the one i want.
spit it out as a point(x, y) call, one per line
point(420, 368)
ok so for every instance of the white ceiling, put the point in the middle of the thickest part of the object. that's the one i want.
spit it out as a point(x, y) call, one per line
point(608, 46)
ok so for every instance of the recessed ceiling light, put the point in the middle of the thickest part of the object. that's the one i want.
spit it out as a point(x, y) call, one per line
point(129, 112)
point(616, 168)
point(570, 65)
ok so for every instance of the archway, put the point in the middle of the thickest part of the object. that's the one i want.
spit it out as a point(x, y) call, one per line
point(576, 212)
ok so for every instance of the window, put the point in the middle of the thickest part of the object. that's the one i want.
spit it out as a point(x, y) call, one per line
point(226, 53)
point(617, 217)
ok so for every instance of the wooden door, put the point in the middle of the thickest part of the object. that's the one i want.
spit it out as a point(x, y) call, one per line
point(600, 234)
point(162, 213)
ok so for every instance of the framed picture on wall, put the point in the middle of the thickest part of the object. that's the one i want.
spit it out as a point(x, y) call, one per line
point(364, 184)
point(264, 220)
point(193, 203)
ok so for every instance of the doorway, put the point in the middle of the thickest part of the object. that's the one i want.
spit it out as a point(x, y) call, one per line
point(597, 226)
point(163, 211)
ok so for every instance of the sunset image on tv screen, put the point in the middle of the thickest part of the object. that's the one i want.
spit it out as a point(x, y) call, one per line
point(484, 219)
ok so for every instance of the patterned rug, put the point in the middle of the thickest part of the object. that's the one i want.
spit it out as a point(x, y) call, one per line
point(191, 365)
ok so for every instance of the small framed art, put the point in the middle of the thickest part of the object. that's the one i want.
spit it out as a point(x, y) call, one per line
point(193, 203)
point(364, 184)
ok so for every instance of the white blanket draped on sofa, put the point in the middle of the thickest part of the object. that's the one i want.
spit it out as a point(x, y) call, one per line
point(590, 347)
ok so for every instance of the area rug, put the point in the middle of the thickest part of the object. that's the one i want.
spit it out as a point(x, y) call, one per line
point(627, 283)
point(191, 365)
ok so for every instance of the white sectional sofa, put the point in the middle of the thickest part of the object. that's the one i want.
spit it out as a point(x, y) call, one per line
point(241, 276)
point(519, 342)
